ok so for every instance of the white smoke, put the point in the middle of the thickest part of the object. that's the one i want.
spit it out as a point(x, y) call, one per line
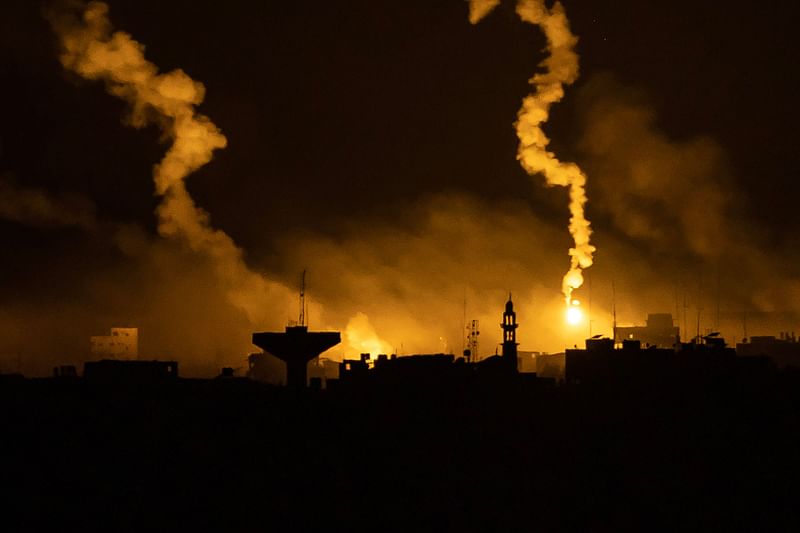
point(561, 68)
point(90, 49)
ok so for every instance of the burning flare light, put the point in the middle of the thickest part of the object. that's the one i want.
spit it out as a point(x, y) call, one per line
point(561, 68)
point(90, 49)
point(574, 313)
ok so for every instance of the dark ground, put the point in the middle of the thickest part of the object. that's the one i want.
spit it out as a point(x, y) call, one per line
point(714, 452)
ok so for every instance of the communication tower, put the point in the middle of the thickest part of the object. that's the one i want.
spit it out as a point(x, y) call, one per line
point(302, 321)
point(471, 352)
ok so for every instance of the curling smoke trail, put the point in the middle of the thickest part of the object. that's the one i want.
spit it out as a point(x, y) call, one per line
point(561, 68)
point(90, 49)
point(480, 8)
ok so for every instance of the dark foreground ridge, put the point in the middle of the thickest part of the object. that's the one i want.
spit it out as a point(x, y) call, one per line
point(713, 449)
point(690, 437)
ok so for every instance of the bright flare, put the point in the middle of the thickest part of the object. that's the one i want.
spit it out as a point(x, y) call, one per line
point(574, 315)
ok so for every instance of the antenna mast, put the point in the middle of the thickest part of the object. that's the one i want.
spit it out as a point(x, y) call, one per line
point(716, 324)
point(685, 309)
point(699, 306)
point(464, 323)
point(472, 345)
point(302, 321)
point(590, 305)
point(614, 309)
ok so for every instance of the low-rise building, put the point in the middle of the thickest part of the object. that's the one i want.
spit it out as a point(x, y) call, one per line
point(659, 331)
point(121, 343)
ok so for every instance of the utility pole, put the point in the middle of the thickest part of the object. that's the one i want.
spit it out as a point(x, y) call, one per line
point(698, 323)
point(302, 321)
point(590, 304)
point(464, 324)
point(614, 309)
point(685, 308)
point(472, 346)
point(716, 322)
point(698, 305)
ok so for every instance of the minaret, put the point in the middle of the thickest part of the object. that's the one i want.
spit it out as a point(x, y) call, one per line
point(509, 326)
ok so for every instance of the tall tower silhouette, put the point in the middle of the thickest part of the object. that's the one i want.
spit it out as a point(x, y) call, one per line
point(509, 326)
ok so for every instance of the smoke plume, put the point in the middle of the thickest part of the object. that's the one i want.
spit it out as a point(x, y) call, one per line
point(90, 49)
point(480, 8)
point(561, 68)
point(388, 281)
point(39, 208)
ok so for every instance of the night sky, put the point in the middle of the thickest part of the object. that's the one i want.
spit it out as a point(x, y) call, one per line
point(353, 126)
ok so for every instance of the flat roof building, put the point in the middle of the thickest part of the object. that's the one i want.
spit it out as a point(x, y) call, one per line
point(659, 331)
point(121, 343)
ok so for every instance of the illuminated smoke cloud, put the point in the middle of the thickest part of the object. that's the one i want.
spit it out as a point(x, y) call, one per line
point(561, 67)
point(90, 49)
point(36, 207)
point(480, 8)
point(360, 337)
point(411, 274)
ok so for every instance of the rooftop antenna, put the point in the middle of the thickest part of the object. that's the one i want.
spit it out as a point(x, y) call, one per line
point(716, 324)
point(698, 322)
point(685, 308)
point(699, 307)
point(464, 323)
point(589, 276)
point(472, 345)
point(302, 321)
point(614, 308)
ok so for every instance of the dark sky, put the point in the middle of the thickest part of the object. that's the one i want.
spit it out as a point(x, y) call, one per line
point(346, 107)
point(339, 114)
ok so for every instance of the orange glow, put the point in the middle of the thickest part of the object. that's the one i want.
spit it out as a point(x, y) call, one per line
point(574, 313)
point(360, 337)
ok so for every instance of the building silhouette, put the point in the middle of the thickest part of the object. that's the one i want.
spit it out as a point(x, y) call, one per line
point(114, 371)
point(687, 435)
point(431, 371)
point(600, 361)
point(120, 343)
point(295, 347)
point(659, 331)
point(783, 350)
point(550, 365)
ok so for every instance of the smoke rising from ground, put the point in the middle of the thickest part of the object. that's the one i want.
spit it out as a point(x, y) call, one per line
point(670, 222)
point(401, 283)
point(561, 68)
point(90, 49)
point(675, 202)
point(411, 276)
